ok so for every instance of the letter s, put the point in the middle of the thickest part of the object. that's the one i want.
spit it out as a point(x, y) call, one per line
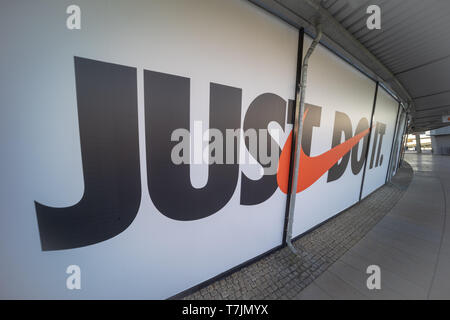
point(167, 108)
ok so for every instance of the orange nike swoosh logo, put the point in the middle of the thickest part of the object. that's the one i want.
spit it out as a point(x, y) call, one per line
point(312, 168)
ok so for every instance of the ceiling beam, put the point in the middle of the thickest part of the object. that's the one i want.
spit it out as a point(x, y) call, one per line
point(336, 37)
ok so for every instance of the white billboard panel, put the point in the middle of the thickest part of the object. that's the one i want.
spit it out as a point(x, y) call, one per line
point(84, 121)
point(342, 99)
point(383, 128)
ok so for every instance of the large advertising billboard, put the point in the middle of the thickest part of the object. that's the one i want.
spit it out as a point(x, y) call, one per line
point(150, 147)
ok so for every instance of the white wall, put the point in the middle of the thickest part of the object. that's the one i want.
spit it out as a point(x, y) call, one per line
point(233, 43)
point(229, 42)
point(386, 109)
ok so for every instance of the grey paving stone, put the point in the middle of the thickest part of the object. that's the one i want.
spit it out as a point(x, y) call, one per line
point(388, 278)
point(441, 284)
point(391, 260)
point(357, 277)
point(337, 288)
point(412, 246)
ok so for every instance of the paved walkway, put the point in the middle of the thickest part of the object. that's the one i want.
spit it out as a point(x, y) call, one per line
point(411, 244)
point(326, 269)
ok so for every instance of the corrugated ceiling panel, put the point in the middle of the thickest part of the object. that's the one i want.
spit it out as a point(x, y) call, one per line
point(414, 43)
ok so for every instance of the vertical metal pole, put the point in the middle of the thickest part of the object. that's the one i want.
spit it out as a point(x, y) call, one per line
point(299, 111)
